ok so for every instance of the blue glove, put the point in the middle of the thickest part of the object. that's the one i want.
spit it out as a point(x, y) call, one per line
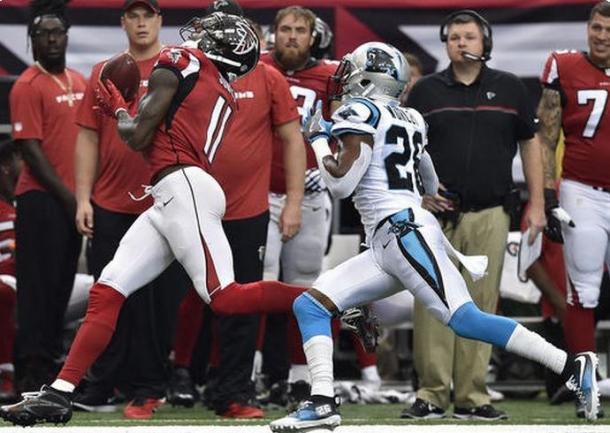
point(314, 126)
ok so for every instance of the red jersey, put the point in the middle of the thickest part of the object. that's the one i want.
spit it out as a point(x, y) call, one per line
point(120, 169)
point(307, 87)
point(42, 110)
point(243, 166)
point(7, 238)
point(198, 117)
point(586, 125)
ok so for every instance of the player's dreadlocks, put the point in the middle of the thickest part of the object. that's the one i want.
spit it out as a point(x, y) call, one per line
point(40, 9)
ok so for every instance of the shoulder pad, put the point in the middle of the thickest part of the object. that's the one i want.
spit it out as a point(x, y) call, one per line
point(357, 115)
point(180, 60)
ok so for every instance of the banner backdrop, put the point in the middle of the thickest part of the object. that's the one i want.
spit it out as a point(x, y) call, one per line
point(524, 32)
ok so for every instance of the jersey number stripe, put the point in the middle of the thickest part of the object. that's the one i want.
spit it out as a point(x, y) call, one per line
point(218, 122)
point(599, 98)
point(396, 163)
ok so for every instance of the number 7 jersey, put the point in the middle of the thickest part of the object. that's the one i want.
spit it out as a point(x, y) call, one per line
point(392, 181)
point(585, 116)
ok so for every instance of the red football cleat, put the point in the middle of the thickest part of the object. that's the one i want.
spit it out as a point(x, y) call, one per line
point(142, 408)
point(240, 410)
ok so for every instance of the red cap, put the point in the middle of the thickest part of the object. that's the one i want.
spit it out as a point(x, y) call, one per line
point(153, 5)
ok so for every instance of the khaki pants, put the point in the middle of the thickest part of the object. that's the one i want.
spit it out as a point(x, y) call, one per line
point(440, 356)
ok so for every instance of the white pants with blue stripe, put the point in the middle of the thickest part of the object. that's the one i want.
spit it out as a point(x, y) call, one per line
point(407, 253)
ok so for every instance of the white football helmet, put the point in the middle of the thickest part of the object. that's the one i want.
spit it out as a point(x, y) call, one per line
point(372, 70)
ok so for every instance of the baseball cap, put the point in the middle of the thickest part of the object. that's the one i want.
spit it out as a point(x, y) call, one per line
point(153, 5)
point(230, 7)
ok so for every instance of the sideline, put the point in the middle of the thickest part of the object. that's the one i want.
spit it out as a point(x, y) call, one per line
point(439, 428)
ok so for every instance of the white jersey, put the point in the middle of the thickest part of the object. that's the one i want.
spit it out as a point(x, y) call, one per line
point(392, 181)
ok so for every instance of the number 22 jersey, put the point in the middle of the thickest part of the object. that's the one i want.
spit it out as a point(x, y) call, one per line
point(392, 181)
point(585, 116)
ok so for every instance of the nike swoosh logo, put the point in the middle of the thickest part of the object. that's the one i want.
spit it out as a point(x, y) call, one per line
point(165, 203)
point(386, 244)
point(315, 209)
point(583, 363)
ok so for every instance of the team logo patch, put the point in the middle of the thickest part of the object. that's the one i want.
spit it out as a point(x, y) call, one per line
point(175, 55)
point(247, 39)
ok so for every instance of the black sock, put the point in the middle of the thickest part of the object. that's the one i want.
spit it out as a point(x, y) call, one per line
point(567, 369)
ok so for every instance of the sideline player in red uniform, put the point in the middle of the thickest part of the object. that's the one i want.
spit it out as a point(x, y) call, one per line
point(299, 257)
point(43, 104)
point(575, 98)
point(106, 173)
point(179, 126)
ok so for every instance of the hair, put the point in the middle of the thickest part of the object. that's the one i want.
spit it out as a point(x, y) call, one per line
point(414, 62)
point(46, 8)
point(602, 8)
point(298, 12)
point(465, 19)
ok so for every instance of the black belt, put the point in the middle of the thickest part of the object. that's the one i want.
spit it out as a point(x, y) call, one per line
point(384, 220)
point(465, 207)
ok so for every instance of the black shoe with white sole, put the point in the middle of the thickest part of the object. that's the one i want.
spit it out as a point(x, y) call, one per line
point(45, 406)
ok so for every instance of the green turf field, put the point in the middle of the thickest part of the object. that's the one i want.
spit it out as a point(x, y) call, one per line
point(520, 412)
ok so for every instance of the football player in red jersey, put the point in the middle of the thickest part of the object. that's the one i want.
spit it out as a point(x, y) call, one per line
point(179, 126)
point(574, 98)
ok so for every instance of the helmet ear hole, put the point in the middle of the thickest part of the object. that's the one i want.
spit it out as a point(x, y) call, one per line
point(365, 82)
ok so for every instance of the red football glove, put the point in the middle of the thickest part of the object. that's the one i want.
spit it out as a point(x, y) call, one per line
point(109, 99)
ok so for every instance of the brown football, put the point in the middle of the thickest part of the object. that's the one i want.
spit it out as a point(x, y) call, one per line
point(123, 71)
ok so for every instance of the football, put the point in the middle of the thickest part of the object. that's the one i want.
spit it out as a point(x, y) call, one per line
point(123, 71)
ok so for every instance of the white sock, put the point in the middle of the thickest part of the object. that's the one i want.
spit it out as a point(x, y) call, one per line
point(370, 374)
point(319, 353)
point(63, 385)
point(532, 346)
point(298, 372)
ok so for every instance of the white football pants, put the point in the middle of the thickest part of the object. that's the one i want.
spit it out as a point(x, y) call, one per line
point(586, 246)
point(407, 252)
point(184, 223)
point(301, 257)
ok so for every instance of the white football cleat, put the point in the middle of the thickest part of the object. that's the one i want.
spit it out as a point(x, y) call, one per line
point(318, 412)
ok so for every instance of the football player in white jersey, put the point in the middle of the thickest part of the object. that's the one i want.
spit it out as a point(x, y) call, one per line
point(383, 162)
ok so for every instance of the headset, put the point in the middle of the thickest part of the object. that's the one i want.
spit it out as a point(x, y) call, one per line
point(487, 34)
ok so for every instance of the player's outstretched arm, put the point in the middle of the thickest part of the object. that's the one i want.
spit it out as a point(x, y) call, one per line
point(139, 131)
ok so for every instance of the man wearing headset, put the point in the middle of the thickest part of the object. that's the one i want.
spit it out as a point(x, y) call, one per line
point(476, 116)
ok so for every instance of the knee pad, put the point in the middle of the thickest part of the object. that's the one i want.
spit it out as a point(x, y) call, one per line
point(470, 322)
point(313, 318)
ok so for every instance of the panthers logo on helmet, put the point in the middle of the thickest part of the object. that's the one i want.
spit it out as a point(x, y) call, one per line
point(379, 60)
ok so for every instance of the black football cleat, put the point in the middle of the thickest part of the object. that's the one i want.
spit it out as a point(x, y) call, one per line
point(45, 406)
point(181, 390)
point(360, 321)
